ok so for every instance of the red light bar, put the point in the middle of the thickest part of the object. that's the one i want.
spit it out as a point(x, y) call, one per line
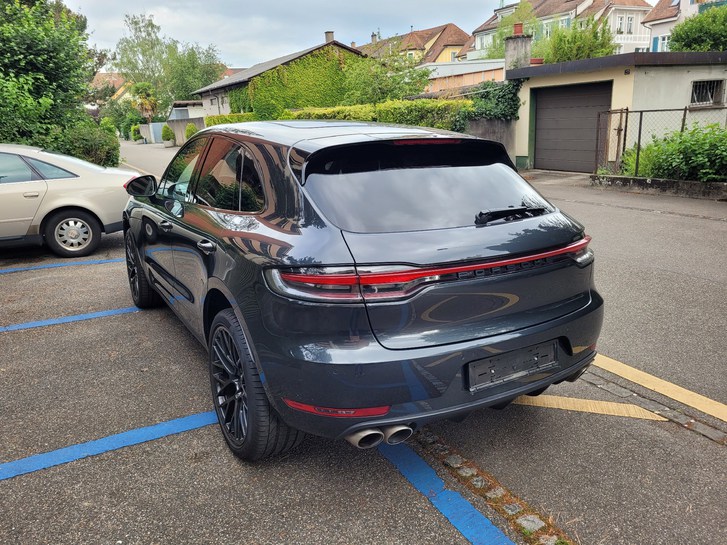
point(336, 412)
point(402, 277)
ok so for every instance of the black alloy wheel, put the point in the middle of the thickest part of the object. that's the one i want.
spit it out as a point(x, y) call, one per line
point(249, 424)
point(228, 387)
point(142, 293)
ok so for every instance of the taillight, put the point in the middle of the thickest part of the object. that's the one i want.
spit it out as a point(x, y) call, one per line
point(387, 283)
point(337, 412)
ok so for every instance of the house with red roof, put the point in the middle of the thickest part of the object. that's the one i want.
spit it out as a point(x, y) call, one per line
point(668, 13)
point(623, 18)
point(431, 45)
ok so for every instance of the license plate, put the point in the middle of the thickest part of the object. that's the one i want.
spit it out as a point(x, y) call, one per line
point(512, 365)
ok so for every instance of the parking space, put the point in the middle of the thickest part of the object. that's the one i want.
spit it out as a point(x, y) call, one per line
point(593, 477)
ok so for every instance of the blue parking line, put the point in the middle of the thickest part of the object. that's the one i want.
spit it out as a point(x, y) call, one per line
point(58, 265)
point(465, 518)
point(31, 464)
point(468, 521)
point(68, 319)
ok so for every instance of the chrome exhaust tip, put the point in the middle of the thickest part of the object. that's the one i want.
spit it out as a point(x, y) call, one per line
point(364, 439)
point(393, 435)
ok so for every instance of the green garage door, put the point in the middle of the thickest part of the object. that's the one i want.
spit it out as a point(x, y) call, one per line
point(566, 122)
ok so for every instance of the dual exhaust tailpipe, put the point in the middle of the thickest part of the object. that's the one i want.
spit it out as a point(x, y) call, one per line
point(370, 438)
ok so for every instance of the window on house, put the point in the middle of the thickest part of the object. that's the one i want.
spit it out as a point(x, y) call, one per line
point(565, 22)
point(664, 43)
point(707, 93)
point(480, 42)
point(223, 100)
point(213, 101)
point(547, 29)
point(629, 25)
point(410, 54)
point(620, 24)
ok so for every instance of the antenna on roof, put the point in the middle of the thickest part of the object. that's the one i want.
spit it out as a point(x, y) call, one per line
point(502, 3)
point(411, 28)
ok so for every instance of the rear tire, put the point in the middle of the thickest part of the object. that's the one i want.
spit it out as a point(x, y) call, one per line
point(143, 295)
point(249, 425)
point(72, 233)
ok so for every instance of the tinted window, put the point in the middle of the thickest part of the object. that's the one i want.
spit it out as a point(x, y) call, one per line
point(14, 169)
point(175, 181)
point(48, 171)
point(229, 179)
point(396, 187)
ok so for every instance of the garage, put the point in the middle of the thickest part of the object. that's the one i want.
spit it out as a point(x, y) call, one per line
point(566, 119)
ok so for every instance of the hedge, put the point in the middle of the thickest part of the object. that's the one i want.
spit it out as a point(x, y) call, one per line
point(211, 120)
point(440, 114)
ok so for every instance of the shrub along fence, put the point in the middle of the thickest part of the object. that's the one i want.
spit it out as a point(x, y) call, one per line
point(684, 144)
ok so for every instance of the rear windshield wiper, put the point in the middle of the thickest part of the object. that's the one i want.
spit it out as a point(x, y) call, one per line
point(486, 216)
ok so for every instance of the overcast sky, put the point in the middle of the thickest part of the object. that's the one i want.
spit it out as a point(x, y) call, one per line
point(246, 33)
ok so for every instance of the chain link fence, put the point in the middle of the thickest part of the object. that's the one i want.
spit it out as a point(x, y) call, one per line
point(620, 131)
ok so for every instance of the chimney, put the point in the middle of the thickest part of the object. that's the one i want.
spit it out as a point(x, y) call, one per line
point(517, 49)
point(373, 38)
point(329, 36)
point(353, 44)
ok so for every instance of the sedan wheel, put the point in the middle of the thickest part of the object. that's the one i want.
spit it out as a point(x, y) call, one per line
point(142, 293)
point(72, 233)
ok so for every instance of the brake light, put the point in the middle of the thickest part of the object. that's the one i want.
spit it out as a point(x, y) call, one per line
point(337, 412)
point(385, 283)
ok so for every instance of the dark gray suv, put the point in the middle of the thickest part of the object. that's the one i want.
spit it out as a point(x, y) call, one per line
point(355, 280)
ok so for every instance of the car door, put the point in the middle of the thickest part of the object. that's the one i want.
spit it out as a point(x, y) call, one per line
point(160, 217)
point(21, 191)
point(227, 191)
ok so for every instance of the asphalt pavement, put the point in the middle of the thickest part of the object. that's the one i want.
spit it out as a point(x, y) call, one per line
point(80, 364)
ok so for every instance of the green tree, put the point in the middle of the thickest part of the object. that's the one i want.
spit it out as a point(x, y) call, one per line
point(145, 100)
point(174, 69)
point(524, 14)
point(122, 114)
point(704, 32)
point(592, 39)
point(392, 77)
point(44, 60)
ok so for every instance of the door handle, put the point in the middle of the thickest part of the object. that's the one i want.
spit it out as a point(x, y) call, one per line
point(206, 246)
point(31, 195)
point(165, 226)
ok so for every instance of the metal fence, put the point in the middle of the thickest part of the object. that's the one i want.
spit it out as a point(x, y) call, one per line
point(621, 131)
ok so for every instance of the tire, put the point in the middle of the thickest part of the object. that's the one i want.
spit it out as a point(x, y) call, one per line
point(72, 233)
point(249, 425)
point(143, 295)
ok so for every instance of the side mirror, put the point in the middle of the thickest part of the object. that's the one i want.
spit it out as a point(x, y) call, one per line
point(141, 186)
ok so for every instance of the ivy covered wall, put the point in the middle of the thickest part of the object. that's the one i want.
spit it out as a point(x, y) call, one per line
point(317, 79)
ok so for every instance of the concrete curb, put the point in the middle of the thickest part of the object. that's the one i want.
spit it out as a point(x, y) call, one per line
point(695, 190)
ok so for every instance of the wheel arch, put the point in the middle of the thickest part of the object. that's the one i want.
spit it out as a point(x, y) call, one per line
point(50, 213)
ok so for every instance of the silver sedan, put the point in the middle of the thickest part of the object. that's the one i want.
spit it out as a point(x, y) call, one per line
point(58, 200)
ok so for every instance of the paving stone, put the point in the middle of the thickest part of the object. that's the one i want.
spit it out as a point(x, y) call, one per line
point(531, 523)
point(455, 461)
point(495, 493)
point(652, 406)
point(617, 390)
point(440, 448)
point(512, 508)
point(548, 540)
point(679, 418)
point(478, 482)
point(467, 472)
point(709, 432)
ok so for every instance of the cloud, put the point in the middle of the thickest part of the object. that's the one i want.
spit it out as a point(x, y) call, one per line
point(246, 33)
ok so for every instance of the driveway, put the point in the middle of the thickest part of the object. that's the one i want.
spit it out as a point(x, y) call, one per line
point(106, 433)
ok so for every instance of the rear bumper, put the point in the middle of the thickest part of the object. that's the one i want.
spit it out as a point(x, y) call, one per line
point(420, 385)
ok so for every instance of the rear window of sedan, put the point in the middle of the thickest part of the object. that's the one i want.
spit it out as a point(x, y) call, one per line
point(414, 185)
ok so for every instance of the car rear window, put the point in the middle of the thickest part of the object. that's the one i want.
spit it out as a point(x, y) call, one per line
point(413, 186)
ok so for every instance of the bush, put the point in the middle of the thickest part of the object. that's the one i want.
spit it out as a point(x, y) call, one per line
point(190, 130)
point(90, 142)
point(135, 133)
point(698, 154)
point(211, 120)
point(107, 124)
point(167, 133)
point(440, 114)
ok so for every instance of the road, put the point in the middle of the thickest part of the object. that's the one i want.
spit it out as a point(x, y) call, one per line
point(79, 364)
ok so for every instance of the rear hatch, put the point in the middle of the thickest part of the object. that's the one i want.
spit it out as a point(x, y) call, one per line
point(449, 243)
